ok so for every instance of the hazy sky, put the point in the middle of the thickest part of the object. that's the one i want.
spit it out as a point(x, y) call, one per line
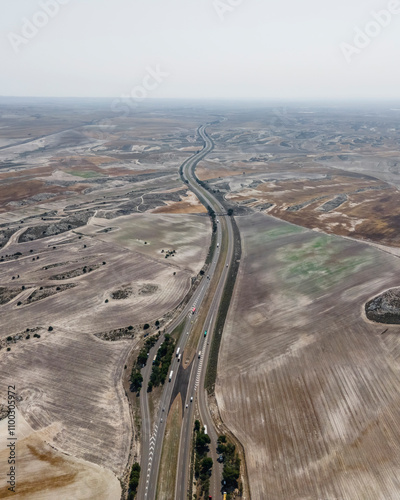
point(200, 48)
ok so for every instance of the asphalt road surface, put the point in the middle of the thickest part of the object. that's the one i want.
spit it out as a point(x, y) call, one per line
point(152, 433)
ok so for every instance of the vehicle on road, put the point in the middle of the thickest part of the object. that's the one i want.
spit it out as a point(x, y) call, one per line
point(191, 399)
point(217, 245)
point(205, 429)
point(199, 354)
point(170, 376)
point(154, 359)
point(187, 405)
point(177, 351)
point(179, 357)
point(193, 310)
point(205, 333)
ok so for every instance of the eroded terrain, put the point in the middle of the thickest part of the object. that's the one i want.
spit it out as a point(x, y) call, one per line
point(98, 236)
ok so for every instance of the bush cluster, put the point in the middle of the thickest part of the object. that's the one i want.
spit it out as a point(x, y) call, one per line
point(134, 481)
point(141, 361)
point(162, 363)
point(231, 472)
point(202, 463)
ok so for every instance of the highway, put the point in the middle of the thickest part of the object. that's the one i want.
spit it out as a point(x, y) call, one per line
point(153, 433)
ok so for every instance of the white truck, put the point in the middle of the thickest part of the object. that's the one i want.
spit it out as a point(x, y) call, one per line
point(170, 376)
point(199, 354)
point(205, 429)
point(177, 351)
point(217, 245)
point(179, 357)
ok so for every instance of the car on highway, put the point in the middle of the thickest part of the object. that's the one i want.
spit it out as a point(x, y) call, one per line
point(191, 399)
point(187, 406)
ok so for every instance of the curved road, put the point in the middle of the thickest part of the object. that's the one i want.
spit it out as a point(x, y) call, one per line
point(152, 436)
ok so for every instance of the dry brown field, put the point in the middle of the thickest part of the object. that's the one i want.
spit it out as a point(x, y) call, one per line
point(86, 207)
point(305, 382)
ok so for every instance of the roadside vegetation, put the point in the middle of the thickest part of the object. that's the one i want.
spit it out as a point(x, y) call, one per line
point(162, 363)
point(231, 461)
point(134, 481)
point(141, 361)
point(202, 463)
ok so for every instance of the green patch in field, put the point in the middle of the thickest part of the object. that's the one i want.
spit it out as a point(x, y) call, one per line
point(285, 230)
point(322, 262)
point(264, 237)
point(85, 174)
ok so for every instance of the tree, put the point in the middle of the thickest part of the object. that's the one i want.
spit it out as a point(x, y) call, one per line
point(202, 442)
point(230, 212)
point(146, 326)
point(197, 425)
point(206, 465)
point(134, 480)
point(136, 381)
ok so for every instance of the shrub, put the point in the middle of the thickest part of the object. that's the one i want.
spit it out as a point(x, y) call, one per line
point(19, 303)
point(50, 329)
point(146, 326)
